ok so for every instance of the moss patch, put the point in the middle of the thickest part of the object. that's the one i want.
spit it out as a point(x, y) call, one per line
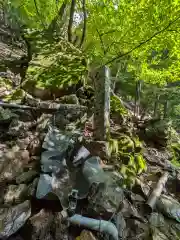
point(117, 107)
point(57, 64)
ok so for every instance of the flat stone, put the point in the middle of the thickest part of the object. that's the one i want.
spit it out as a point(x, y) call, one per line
point(15, 194)
point(44, 186)
point(13, 218)
point(26, 177)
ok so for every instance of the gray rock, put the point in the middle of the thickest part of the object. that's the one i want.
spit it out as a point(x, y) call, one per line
point(121, 225)
point(56, 140)
point(52, 161)
point(53, 187)
point(44, 186)
point(15, 194)
point(41, 225)
point(12, 219)
point(169, 207)
point(163, 228)
point(26, 177)
point(14, 165)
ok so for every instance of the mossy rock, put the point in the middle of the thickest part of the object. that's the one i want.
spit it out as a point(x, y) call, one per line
point(6, 115)
point(69, 99)
point(16, 96)
point(5, 82)
point(56, 66)
point(174, 149)
point(159, 132)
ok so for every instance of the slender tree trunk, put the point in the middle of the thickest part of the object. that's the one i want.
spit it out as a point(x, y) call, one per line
point(156, 105)
point(73, 4)
point(60, 15)
point(85, 21)
point(137, 98)
point(166, 108)
point(35, 3)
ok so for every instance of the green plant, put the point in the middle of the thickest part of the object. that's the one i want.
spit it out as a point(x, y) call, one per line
point(117, 107)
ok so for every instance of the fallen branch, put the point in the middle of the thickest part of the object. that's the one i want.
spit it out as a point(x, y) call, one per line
point(156, 193)
point(44, 109)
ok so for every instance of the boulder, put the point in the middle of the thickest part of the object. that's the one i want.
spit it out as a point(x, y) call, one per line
point(55, 71)
point(159, 132)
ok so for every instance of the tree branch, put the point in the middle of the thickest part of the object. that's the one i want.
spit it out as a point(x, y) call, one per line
point(35, 3)
point(143, 42)
point(85, 22)
point(73, 4)
point(55, 19)
point(102, 43)
point(110, 31)
point(48, 109)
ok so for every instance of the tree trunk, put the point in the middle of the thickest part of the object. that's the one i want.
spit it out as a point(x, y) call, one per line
point(156, 105)
point(137, 98)
point(60, 15)
point(85, 21)
point(166, 103)
point(73, 4)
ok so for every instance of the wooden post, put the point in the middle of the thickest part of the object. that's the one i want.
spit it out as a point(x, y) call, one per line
point(102, 103)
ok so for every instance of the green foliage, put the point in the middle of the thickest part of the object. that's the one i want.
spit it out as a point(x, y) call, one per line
point(117, 107)
point(56, 65)
point(16, 95)
point(175, 151)
point(128, 153)
point(113, 147)
point(34, 14)
point(4, 82)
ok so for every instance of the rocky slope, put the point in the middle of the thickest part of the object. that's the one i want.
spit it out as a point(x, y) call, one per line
point(27, 180)
point(45, 154)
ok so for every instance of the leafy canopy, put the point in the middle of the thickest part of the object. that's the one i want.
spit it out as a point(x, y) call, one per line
point(116, 29)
